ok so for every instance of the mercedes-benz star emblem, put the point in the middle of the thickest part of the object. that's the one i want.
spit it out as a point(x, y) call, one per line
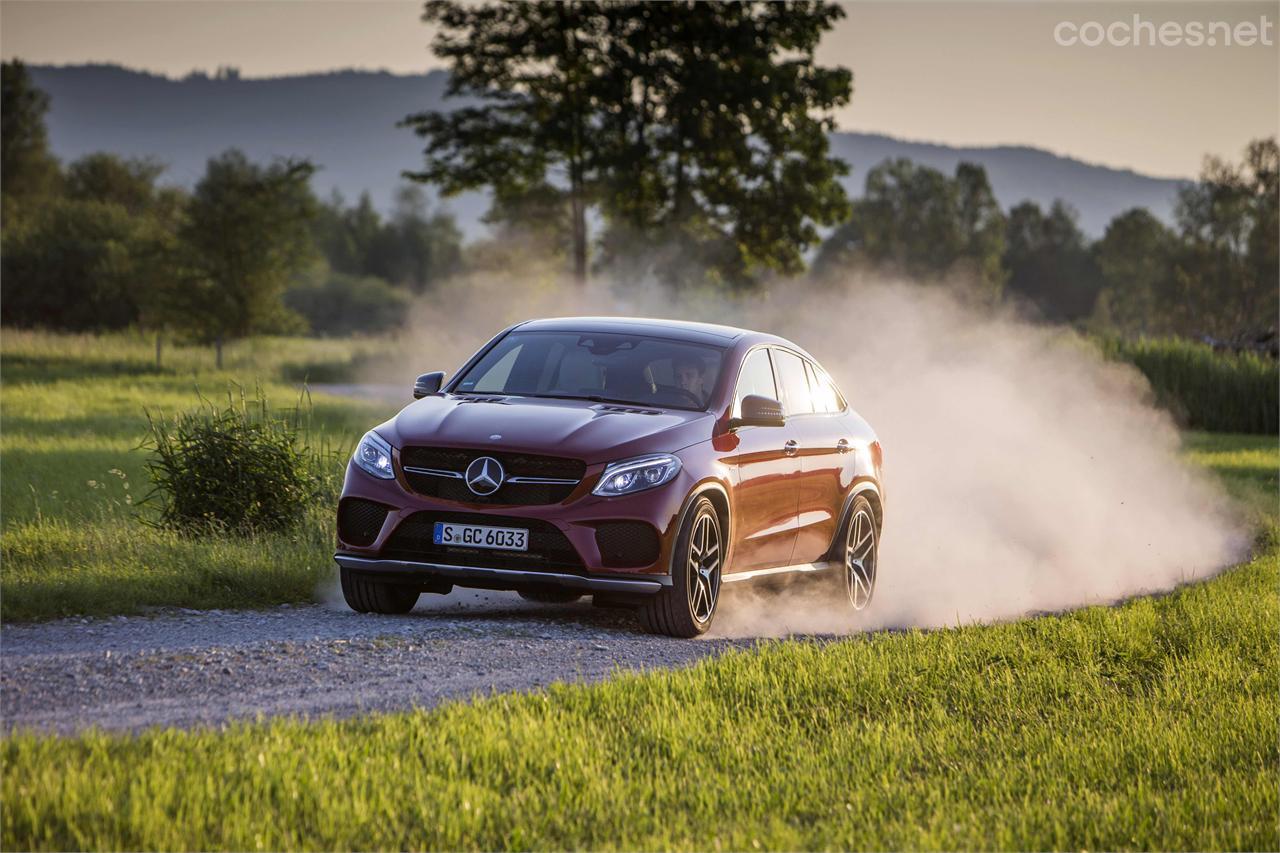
point(484, 475)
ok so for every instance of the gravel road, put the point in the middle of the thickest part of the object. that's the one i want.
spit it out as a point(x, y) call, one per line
point(191, 668)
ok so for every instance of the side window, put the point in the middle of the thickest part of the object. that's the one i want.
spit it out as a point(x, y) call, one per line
point(796, 398)
point(756, 378)
point(495, 378)
point(825, 396)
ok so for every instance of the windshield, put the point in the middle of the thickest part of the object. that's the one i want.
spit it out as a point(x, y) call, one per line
point(617, 368)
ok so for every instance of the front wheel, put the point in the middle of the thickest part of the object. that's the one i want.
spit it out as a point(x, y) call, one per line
point(686, 608)
point(369, 596)
point(861, 542)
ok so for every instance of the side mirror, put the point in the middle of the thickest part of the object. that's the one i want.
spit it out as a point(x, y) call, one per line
point(427, 384)
point(759, 411)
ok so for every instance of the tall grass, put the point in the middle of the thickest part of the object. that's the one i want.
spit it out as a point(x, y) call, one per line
point(73, 416)
point(1204, 389)
point(32, 355)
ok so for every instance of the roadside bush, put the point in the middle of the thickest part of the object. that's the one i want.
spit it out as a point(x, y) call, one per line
point(237, 467)
point(338, 304)
point(1220, 392)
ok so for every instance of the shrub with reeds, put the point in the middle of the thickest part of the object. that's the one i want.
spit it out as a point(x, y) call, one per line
point(236, 467)
point(1204, 389)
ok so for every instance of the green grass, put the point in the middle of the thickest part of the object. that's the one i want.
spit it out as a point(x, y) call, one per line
point(1204, 389)
point(71, 422)
point(1153, 725)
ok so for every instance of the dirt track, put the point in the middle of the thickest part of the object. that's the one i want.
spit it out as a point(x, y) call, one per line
point(193, 668)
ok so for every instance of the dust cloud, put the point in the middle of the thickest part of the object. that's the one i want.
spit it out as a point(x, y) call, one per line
point(1023, 473)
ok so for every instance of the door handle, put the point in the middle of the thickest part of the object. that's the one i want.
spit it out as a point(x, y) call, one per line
point(842, 446)
point(791, 448)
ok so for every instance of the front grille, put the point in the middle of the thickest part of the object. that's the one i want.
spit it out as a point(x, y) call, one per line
point(549, 549)
point(627, 544)
point(513, 464)
point(360, 521)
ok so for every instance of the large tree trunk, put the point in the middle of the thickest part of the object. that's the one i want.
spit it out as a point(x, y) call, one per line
point(217, 349)
point(579, 240)
point(159, 342)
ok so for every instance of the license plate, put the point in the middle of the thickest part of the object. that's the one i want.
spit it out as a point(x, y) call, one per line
point(479, 536)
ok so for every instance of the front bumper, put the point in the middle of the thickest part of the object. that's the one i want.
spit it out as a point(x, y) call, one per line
point(505, 579)
point(576, 520)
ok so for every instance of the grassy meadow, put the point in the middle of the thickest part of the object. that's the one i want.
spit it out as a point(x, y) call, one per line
point(72, 418)
point(1151, 725)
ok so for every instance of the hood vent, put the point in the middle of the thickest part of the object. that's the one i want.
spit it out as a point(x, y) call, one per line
point(624, 410)
point(500, 400)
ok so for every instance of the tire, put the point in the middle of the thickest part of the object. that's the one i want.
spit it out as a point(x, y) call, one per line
point(686, 608)
point(550, 596)
point(859, 554)
point(369, 596)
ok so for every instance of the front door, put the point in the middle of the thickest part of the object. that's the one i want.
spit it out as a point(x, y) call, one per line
point(765, 469)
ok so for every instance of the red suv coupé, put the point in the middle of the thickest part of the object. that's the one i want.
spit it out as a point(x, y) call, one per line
point(643, 462)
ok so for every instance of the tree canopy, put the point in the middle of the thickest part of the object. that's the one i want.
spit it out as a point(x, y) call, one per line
point(923, 224)
point(27, 168)
point(246, 233)
point(696, 130)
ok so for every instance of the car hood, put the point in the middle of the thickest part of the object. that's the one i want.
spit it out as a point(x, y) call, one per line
point(578, 429)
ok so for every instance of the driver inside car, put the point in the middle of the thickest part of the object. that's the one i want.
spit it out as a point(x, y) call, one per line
point(688, 375)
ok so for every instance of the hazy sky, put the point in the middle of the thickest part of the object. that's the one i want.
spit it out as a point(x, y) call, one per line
point(962, 73)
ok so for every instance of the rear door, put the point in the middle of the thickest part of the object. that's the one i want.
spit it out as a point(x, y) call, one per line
point(826, 467)
point(765, 471)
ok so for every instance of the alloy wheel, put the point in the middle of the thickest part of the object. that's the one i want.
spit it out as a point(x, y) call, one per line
point(860, 558)
point(705, 553)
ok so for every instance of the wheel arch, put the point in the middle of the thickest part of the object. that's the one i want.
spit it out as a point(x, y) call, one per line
point(716, 493)
point(869, 490)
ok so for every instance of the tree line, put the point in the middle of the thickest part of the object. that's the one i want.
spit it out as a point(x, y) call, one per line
point(683, 143)
point(101, 244)
point(697, 133)
point(1211, 274)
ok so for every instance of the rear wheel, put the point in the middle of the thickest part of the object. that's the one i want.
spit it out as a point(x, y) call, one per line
point(686, 608)
point(860, 553)
point(369, 596)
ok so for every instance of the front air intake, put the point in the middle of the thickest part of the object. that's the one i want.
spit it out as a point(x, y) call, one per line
point(360, 521)
point(627, 544)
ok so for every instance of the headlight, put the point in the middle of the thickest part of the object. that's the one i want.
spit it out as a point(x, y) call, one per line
point(373, 456)
point(635, 475)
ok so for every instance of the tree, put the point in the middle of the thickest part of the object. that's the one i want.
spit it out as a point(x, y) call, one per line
point(529, 65)
point(917, 221)
point(27, 168)
point(114, 180)
point(414, 249)
point(1135, 259)
point(80, 265)
point(1049, 264)
point(93, 256)
point(714, 129)
point(340, 304)
point(698, 128)
point(245, 235)
point(1226, 269)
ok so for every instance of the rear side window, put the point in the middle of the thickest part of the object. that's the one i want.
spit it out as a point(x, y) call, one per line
point(756, 378)
point(796, 397)
point(826, 398)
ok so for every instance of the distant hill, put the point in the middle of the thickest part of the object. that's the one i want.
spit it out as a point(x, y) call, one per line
point(345, 121)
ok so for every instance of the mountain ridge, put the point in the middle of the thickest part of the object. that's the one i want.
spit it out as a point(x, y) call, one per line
point(345, 121)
